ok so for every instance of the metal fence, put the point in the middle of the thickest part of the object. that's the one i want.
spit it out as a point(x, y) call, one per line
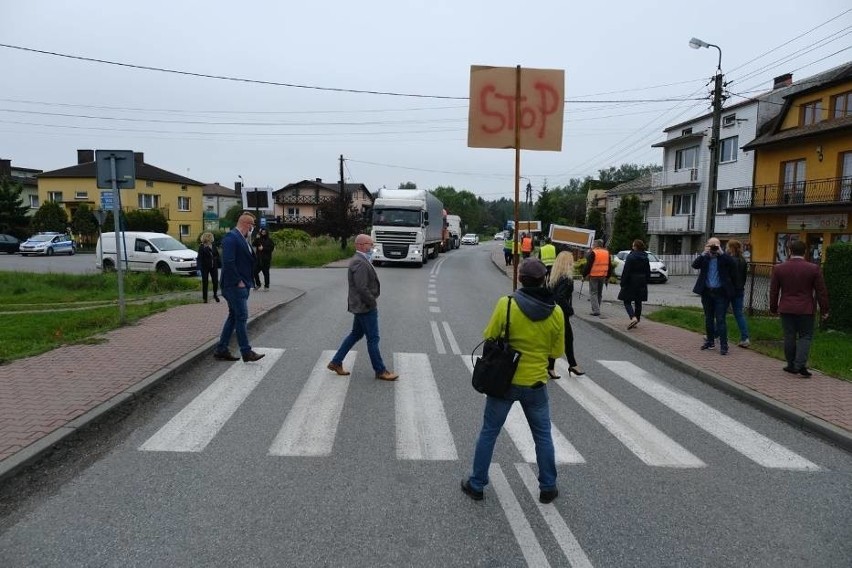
point(757, 288)
point(678, 264)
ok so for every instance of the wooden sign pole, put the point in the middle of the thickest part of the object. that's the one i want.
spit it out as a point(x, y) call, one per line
point(517, 175)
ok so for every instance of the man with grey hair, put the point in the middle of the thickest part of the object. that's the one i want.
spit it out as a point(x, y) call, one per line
point(716, 288)
point(598, 269)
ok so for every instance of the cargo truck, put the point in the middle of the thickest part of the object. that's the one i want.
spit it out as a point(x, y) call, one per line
point(408, 226)
point(454, 228)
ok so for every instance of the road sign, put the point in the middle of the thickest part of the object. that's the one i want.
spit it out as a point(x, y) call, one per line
point(107, 198)
point(125, 169)
point(574, 236)
point(100, 214)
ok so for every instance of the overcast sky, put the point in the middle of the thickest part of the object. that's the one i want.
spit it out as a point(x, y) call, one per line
point(215, 130)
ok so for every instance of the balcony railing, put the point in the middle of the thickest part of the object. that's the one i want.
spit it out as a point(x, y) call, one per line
point(674, 177)
point(672, 224)
point(802, 193)
point(304, 199)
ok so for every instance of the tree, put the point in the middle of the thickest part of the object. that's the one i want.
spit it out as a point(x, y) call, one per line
point(50, 217)
point(233, 213)
point(626, 172)
point(628, 224)
point(408, 185)
point(13, 213)
point(595, 221)
point(83, 222)
point(150, 220)
point(339, 220)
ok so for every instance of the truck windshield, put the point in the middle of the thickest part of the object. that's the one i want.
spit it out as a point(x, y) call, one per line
point(396, 217)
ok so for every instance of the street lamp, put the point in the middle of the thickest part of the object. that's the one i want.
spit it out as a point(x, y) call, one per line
point(696, 43)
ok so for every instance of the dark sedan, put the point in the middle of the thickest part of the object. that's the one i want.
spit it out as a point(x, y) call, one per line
point(9, 244)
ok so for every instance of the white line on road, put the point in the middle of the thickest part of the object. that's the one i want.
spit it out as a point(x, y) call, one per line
point(564, 537)
point(311, 424)
point(199, 421)
point(422, 430)
point(451, 339)
point(751, 444)
point(436, 333)
point(435, 309)
point(641, 437)
point(518, 522)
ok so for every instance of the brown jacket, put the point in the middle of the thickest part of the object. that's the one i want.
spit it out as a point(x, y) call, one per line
point(801, 287)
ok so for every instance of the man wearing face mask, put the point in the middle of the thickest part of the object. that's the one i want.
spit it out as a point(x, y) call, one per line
point(715, 287)
point(364, 291)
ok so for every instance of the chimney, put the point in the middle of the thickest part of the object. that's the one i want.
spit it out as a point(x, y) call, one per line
point(319, 180)
point(85, 156)
point(781, 81)
point(238, 187)
point(6, 168)
point(139, 157)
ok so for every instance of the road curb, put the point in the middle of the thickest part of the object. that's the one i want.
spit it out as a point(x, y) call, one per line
point(43, 446)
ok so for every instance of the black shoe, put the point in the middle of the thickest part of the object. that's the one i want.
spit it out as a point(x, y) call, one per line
point(575, 371)
point(224, 356)
point(252, 356)
point(471, 492)
point(804, 372)
point(790, 369)
point(548, 496)
point(707, 345)
point(553, 375)
point(216, 298)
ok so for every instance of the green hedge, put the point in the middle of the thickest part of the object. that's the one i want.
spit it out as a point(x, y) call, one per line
point(837, 269)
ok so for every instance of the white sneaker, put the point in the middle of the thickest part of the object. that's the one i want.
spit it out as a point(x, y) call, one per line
point(744, 343)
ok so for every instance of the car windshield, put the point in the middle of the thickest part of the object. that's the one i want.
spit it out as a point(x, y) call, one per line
point(470, 236)
point(167, 243)
point(396, 217)
point(652, 257)
point(42, 238)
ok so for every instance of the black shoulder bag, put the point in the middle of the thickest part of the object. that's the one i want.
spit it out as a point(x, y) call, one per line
point(494, 371)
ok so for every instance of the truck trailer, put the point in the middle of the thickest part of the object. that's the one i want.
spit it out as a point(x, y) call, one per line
point(407, 226)
point(454, 228)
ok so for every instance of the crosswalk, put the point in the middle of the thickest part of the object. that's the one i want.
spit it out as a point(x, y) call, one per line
point(422, 429)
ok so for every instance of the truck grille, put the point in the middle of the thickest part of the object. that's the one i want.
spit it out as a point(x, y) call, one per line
point(396, 238)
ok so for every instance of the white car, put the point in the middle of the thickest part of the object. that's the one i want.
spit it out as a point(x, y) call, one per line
point(499, 236)
point(48, 244)
point(470, 239)
point(659, 272)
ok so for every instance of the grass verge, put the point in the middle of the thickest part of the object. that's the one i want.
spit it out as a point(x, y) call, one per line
point(320, 251)
point(829, 353)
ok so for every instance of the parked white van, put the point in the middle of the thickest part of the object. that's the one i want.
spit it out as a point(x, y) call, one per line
point(147, 252)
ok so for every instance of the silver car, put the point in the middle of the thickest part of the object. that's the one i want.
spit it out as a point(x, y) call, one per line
point(48, 244)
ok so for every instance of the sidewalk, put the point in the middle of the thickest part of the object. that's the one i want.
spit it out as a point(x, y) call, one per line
point(46, 398)
point(821, 404)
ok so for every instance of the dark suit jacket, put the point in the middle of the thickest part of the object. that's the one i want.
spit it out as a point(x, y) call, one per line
point(726, 269)
point(798, 281)
point(237, 261)
point(364, 285)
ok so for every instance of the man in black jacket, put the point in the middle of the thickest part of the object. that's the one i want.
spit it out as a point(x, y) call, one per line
point(716, 288)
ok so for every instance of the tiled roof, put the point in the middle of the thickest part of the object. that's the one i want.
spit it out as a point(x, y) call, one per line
point(638, 185)
point(144, 171)
point(333, 187)
point(214, 189)
point(823, 127)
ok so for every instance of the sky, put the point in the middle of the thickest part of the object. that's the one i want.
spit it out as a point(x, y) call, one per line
point(276, 104)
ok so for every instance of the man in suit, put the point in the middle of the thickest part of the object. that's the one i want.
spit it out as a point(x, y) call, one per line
point(716, 288)
point(795, 288)
point(363, 294)
point(236, 281)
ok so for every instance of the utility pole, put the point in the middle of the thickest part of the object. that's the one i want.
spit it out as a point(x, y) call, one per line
point(343, 206)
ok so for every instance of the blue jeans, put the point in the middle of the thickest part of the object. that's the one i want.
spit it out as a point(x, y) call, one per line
point(364, 324)
point(715, 304)
point(737, 308)
point(237, 299)
point(536, 406)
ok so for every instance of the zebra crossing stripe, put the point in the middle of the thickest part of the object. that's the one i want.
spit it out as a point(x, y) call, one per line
point(422, 430)
point(199, 422)
point(518, 522)
point(311, 424)
point(641, 437)
point(751, 444)
point(562, 533)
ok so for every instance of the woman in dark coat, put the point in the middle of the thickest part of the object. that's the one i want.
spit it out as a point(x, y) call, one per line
point(561, 284)
point(263, 246)
point(634, 282)
point(208, 263)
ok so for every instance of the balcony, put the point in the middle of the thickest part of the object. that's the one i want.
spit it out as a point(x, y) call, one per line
point(798, 195)
point(672, 224)
point(668, 178)
point(304, 199)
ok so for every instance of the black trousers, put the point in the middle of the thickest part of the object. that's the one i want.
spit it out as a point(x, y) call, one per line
point(262, 267)
point(213, 274)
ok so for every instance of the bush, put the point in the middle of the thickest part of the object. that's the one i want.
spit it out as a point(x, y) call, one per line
point(838, 267)
point(291, 239)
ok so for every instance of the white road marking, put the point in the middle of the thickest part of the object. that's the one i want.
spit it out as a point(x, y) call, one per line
point(451, 339)
point(521, 528)
point(751, 444)
point(432, 299)
point(311, 425)
point(564, 537)
point(422, 430)
point(191, 429)
point(435, 309)
point(436, 334)
point(641, 437)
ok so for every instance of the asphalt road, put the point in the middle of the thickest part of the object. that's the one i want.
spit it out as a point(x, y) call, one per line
point(287, 465)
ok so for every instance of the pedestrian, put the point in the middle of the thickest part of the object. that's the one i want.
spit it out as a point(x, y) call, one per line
point(208, 264)
point(508, 248)
point(526, 245)
point(547, 254)
point(263, 246)
point(598, 270)
point(537, 330)
point(739, 277)
point(796, 287)
point(635, 275)
point(716, 289)
point(235, 283)
point(364, 289)
point(561, 283)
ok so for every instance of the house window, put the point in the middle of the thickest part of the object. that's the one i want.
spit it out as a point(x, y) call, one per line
point(184, 231)
point(149, 183)
point(811, 113)
point(686, 158)
point(149, 201)
point(183, 203)
point(81, 195)
point(33, 201)
point(793, 181)
point(683, 204)
point(686, 131)
point(293, 212)
point(724, 199)
point(729, 120)
point(728, 149)
point(54, 196)
point(841, 105)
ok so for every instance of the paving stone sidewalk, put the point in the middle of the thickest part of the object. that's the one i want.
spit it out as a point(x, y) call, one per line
point(821, 404)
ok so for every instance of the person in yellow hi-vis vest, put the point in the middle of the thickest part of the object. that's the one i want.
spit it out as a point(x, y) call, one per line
point(547, 255)
point(598, 269)
point(508, 246)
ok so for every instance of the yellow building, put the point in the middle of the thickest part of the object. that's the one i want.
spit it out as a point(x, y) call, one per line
point(803, 171)
point(179, 198)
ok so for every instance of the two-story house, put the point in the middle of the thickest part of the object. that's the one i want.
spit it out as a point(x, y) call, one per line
point(27, 178)
point(297, 203)
point(217, 199)
point(178, 197)
point(802, 188)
